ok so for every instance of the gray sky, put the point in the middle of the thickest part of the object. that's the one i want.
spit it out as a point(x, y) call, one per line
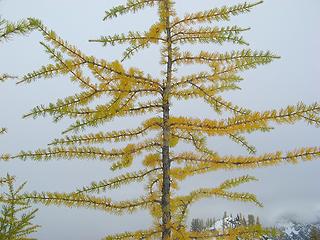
point(288, 28)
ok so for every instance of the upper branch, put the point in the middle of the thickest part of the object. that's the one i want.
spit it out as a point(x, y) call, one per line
point(215, 14)
point(131, 6)
point(135, 38)
point(208, 34)
point(7, 29)
point(97, 66)
point(245, 57)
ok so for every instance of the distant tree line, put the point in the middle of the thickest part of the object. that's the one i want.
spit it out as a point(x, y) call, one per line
point(198, 224)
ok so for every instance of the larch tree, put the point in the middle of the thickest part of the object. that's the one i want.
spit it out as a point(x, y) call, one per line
point(132, 92)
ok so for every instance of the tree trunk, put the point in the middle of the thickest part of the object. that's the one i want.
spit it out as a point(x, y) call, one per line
point(165, 201)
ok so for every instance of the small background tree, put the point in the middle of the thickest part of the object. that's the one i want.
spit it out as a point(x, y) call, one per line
point(197, 225)
point(210, 222)
point(125, 87)
point(251, 219)
point(15, 215)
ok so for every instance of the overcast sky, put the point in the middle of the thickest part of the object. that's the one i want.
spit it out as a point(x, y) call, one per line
point(288, 28)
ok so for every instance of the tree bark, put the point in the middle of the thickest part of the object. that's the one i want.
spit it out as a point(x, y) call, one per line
point(165, 201)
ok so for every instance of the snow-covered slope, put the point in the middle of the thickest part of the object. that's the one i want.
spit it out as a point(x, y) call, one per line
point(296, 231)
point(291, 230)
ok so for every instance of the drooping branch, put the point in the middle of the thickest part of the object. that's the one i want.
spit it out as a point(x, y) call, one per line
point(87, 201)
point(243, 142)
point(218, 103)
point(70, 67)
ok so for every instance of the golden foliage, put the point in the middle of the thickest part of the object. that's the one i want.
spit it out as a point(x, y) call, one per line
point(114, 91)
